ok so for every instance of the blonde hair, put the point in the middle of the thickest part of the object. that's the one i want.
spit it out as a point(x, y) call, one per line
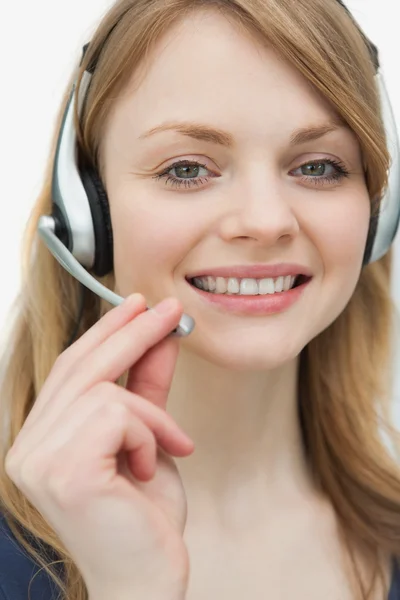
point(345, 372)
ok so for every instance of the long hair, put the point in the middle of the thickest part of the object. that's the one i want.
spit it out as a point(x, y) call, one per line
point(345, 372)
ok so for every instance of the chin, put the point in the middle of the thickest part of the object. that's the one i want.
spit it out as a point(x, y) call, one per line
point(237, 354)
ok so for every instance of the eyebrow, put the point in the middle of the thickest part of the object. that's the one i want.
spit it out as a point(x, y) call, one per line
point(205, 133)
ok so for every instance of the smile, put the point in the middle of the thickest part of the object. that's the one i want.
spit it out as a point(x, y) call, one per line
point(247, 286)
point(251, 296)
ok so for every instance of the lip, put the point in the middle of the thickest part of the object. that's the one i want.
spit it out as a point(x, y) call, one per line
point(257, 271)
point(258, 305)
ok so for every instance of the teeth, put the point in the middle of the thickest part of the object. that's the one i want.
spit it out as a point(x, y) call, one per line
point(221, 285)
point(279, 284)
point(244, 287)
point(198, 282)
point(211, 284)
point(233, 285)
point(266, 286)
point(248, 287)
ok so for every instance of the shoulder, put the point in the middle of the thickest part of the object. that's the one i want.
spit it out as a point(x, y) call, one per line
point(20, 576)
point(395, 587)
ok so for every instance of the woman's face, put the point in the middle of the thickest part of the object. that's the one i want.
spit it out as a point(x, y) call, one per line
point(211, 96)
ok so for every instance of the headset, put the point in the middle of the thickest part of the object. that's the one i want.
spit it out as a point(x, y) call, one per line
point(79, 234)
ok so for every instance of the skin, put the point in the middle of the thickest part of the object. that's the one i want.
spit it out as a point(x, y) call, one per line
point(234, 387)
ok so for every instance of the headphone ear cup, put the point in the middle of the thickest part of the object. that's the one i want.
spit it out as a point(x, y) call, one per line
point(373, 226)
point(100, 209)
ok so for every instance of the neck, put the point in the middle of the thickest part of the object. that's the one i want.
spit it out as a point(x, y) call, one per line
point(246, 431)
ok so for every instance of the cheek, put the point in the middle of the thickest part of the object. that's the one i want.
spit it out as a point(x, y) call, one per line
point(149, 242)
point(340, 233)
point(340, 240)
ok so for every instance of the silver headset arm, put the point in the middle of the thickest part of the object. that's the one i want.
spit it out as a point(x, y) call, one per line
point(46, 230)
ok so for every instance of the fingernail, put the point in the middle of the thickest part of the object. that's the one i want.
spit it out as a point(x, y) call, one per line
point(165, 307)
point(133, 299)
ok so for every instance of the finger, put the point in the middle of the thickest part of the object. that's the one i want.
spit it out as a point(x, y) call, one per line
point(110, 359)
point(112, 321)
point(118, 431)
point(164, 428)
point(83, 467)
point(151, 376)
point(120, 351)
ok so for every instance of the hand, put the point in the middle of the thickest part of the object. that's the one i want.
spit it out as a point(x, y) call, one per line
point(96, 458)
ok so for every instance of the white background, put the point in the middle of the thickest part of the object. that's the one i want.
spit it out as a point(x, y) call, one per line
point(40, 44)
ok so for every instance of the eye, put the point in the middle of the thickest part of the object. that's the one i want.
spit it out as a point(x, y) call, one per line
point(339, 171)
point(185, 173)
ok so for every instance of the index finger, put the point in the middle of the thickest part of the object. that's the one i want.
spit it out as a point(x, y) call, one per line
point(111, 322)
point(119, 352)
point(114, 319)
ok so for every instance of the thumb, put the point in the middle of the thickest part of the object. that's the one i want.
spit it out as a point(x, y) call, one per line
point(152, 375)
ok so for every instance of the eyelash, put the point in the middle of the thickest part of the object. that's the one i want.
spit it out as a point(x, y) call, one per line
point(339, 174)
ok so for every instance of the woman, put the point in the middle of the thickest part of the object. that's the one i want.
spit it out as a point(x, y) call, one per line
point(265, 473)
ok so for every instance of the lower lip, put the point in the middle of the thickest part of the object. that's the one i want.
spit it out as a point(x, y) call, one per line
point(254, 305)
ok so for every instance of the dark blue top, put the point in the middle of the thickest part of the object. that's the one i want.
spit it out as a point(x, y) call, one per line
point(18, 573)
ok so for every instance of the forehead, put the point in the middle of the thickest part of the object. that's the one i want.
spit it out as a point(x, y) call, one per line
point(206, 69)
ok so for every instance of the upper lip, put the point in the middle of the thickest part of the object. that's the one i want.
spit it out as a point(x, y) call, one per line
point(258, 271)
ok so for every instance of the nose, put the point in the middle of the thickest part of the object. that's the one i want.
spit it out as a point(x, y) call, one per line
point(259, 208)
